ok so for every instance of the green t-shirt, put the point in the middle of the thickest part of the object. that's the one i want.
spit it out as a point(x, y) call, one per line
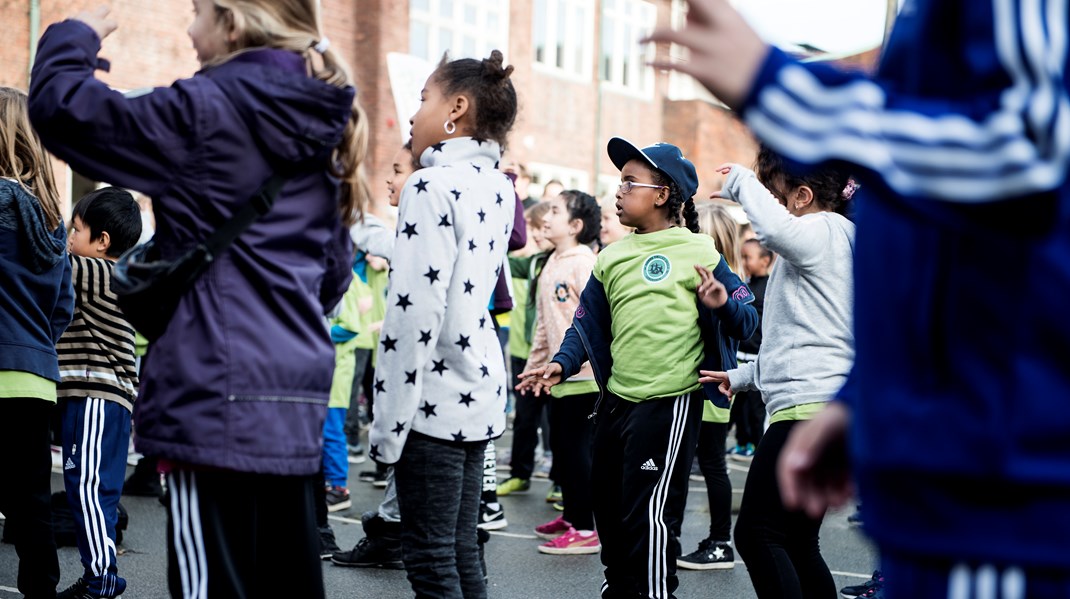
point(804, 411)
point(377, 280)
point(650, 281)
point(16, 383)
point(519, 344)
point(712, 413)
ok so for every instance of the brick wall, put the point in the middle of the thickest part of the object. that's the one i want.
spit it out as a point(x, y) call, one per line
point(709, 136)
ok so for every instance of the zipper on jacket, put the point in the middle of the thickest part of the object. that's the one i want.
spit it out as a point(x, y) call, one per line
point(594, 368)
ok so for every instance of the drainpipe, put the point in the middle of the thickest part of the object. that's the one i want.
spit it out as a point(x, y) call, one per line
point(35, 32)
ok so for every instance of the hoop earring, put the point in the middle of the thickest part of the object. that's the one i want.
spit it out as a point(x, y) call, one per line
point(449, 126)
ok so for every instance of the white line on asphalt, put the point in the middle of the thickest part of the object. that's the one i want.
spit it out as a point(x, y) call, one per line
point(9, 590)
point(738, 468)
point(512, 535)
point(852, 574)
point(344, 519)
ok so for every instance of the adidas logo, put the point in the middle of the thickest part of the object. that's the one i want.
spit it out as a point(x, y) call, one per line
point(69, 465)
point(649, 465)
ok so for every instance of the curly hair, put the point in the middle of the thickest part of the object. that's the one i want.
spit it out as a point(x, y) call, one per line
point(681, 210)
point(827, 183)
point(490, 89)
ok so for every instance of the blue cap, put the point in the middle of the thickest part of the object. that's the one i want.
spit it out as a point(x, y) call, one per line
point(666, 158)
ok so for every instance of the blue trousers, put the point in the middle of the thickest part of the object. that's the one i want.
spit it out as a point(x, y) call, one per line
point(909, 577)
point(96, 436)
point(335, 462)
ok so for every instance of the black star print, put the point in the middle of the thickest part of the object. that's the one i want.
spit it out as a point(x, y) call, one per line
point(499, 389)
point(471, 245)
point(373, 453)
point(483, 368)
point(400, 428)
point(389, 344)
point(421, 185)
point(463, 342)
point(480, 141)
point(409, 230)
point(445, 220)
point(482, 215)
point(425, 337)
point(456, 194)
point(499, 200)
point(492, 247)
point(439, 366)
point(428, 409)
point(468, 287)
point(478, 169)
point(437, 147)
point(466, 399)
point(497, 165)
point(458, 437)
point(431, 274)
point(410, 377)
point(482, 321)
point(380, 386)
point(490, 431)
point(403, 302)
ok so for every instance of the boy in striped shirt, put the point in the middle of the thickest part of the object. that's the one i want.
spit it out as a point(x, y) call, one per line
point(98, 386)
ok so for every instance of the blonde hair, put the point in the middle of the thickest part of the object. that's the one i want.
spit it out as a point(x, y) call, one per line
point(715, 221)
point(295, 25)
point(536, 213)
point(22, 157)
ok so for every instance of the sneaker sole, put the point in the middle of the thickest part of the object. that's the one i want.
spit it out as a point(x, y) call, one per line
point(549, 536)
point(398, 565)
point(697, 478)
point(356, 459)
point(569, 550)
point(343, 505)
point(379, 484)
point(493, 524)
point(714, 566)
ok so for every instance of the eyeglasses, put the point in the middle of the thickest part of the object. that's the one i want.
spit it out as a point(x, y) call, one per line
point(627, 187)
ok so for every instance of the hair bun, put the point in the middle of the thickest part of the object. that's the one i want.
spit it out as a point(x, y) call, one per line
point(493, 66)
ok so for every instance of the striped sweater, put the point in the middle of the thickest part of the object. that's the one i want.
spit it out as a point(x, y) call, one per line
point(96, 352)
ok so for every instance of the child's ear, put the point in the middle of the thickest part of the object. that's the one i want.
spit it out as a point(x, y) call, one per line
point(803, 196)
point(103, 243)
point(459, 107)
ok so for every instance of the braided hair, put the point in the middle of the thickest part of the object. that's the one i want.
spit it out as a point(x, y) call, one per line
point(682, 211)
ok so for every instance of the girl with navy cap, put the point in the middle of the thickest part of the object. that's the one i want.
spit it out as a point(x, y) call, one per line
point(636, 324)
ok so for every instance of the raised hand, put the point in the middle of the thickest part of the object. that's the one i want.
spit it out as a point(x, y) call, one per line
point(813, 471)
point(726, 53)
point(710, 291)
point(98, 20)
point(540, 380)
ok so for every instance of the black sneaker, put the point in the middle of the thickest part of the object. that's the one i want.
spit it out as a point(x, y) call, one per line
point(145, 481)
point(338, 499)
point(482, 537)
point(371, 553)
point(711, 555)
point(80, 590)
point(375, 477)
point(328, 545)
point(492, 516)
point(859, 590)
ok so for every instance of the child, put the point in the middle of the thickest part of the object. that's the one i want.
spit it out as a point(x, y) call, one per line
point(36, 303)
point(440, 391)
point(715, 551)
point(97, 363)
point(748, 409)
point(529, 409)
point(235, 391)
point(803, 362)
point(642, 298)
point(572, 224)
point(612, 230)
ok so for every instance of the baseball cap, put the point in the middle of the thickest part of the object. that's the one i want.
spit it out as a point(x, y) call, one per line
point(664, 157)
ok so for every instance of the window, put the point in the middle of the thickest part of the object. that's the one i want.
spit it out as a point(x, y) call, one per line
point(464, 28)
point(623, 59)
point(563, 32)
point(681, 85)
point(542, 173)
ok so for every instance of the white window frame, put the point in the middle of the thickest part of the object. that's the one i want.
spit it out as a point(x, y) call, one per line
point(576, 39)
point(623, 24)
point(486, 37)
point(542, 173)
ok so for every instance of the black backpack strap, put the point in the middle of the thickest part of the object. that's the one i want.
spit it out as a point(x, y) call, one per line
point(258, 205)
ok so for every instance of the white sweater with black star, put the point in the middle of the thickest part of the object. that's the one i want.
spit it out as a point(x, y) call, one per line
point(440, 370)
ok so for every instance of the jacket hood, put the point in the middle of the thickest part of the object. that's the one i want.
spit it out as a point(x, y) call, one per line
point(22, 214)
point(294, 117)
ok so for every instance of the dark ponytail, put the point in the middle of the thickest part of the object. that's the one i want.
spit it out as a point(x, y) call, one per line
point(828, 183)
point(488, 85)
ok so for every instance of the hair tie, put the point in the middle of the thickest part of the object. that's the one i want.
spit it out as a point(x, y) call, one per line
point(322, 45)
point(849, 191)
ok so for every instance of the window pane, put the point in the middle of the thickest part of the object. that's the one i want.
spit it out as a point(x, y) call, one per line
point(445, 43)
point(445, 8)
point(538, 31)
point(562, 24)
point(470, 47)
point(470, 14)
point(418, 33)
point(419, 5)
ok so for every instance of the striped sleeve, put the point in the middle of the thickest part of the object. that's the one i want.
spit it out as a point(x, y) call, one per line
point(994, 145)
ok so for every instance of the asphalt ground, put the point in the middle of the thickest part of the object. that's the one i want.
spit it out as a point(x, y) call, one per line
point(516, 569)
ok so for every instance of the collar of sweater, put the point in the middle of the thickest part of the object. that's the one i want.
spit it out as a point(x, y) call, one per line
point(479, 153)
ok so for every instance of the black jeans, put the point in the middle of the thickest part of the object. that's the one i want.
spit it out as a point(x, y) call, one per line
point(573, 432)
point(262, 542)
point(748, 414)
point(529, 411)
point(363, 359)
point(25, 491)
point(438, 492)
point(710, 456)
point(779, 547)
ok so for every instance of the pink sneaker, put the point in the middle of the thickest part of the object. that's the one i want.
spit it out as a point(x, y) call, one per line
point(552, 529)
point(573, 542)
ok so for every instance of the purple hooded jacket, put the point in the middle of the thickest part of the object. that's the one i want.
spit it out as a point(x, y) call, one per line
point(240, 379)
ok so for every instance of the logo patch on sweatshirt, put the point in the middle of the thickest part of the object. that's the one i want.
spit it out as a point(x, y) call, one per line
point(656, 268)
point(561, 292)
